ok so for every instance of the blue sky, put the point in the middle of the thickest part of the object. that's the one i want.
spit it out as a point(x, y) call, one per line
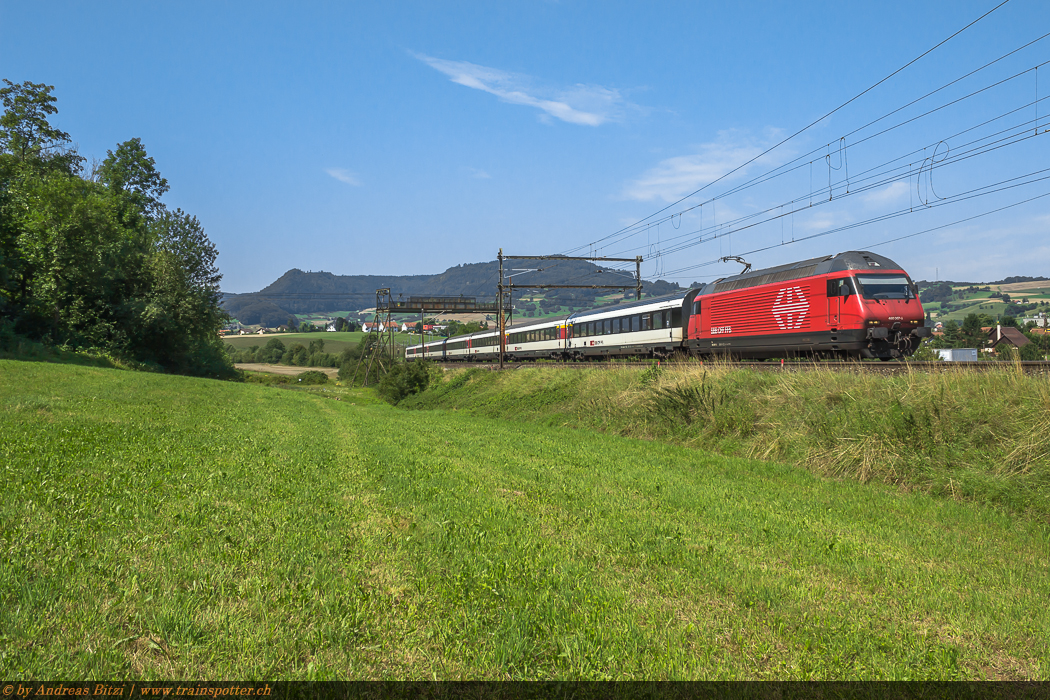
point(403, 138)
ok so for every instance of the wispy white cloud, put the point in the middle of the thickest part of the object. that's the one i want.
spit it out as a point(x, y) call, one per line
point(479, 174)
point(588, 105)
point(823, 220)
point(344, 175)
point(673, 178)
point(887, 195)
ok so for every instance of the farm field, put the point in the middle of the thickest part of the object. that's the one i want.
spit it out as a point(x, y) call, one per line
point(980, 302)
point(167, 527)
point(287, 370)
point(333, 342)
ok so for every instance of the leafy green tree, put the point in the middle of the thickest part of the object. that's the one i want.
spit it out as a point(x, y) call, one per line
point(297, 354)
point(316, 346)
point(953, 337)
point(25, 131)
point(79, 266)
point(1031, 353)
point(971, 331)
point(273, 352)
point(98, 262)
point(131, 175)
point(182, 314)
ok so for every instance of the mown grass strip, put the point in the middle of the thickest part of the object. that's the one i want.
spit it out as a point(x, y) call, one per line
point(165, 527)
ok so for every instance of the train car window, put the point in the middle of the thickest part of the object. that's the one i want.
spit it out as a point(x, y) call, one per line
point(607, 326)
point(676, 318)
point(696, 307)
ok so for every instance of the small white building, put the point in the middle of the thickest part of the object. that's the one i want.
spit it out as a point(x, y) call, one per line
point(958, 354)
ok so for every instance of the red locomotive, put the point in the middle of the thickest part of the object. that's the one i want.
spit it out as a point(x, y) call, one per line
point(856, 304)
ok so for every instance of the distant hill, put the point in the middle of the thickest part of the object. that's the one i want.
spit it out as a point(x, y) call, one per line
point(299, 292)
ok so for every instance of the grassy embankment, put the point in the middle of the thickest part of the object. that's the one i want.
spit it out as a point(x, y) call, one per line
point(976, 436)
point(160, 526)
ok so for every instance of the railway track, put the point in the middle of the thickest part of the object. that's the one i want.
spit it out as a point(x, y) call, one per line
point(787, 366)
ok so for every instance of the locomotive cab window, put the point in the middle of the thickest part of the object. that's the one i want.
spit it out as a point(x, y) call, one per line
point(885, 287)
point(840, 287)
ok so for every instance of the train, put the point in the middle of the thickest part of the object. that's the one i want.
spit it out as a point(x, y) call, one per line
point(853, 305)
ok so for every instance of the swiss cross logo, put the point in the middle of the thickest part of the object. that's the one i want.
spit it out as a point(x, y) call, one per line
point(790, 308)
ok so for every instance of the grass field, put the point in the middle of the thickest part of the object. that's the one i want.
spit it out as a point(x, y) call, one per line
point(166, 527)
point(958, 434)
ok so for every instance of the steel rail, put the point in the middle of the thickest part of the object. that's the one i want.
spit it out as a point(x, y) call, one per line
point(895, 367)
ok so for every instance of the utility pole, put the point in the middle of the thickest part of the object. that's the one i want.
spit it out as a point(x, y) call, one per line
point(502, 320)
point(638, 278)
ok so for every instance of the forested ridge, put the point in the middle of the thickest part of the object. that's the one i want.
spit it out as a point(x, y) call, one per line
point(91, 258)
point(297, 291)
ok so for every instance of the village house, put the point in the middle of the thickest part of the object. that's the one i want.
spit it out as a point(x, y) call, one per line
point(1009, 336)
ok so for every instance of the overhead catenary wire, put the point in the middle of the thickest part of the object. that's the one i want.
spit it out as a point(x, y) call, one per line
point(800, 162)
point(972, 194)
point(874, 179)
point(813, 123)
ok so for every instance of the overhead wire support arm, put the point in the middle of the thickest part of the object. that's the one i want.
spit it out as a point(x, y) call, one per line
point(577, 286)
point(566, 257)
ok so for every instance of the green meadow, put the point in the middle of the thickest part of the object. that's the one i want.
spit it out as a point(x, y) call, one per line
point(156, 526)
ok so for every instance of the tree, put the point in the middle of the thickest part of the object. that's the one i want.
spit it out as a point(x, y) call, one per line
point(273, 351)
point(131, 175)
point(25, 131)
point(953, 337)
point(971, 331)
point(100, 263)
point(182, 314)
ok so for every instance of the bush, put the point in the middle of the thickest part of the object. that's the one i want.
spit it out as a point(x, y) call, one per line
point(404, 379)
point(312, 376)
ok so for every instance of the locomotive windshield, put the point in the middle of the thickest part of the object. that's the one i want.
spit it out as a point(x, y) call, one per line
point(885, 287)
